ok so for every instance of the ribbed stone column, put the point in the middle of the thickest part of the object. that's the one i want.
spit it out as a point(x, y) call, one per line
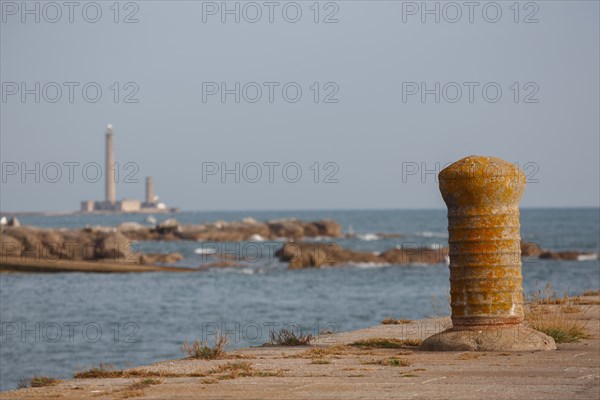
point(482, 195)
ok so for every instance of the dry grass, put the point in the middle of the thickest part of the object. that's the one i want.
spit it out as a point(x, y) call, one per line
point(396, 362)
point(23, 383)
point(230, 370)
point(136, 389)
point(394, 321)
point(321, 352)
point(37, 381)
point(384, 343)
point(391, 362)
point(585, 302)
point(146, 374)
point(287, 337)
point(320, 361)
point(563, 332)
point(547, 313)
point(238, 370)
point(104, 371)
point(108, 371)
point(591, 293)
point(264, 374)
point(150, 381)
point(202, 350)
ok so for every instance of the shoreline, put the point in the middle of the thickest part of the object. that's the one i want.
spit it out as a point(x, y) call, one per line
point(17, 265)
point(292, 210)
point(334, 367)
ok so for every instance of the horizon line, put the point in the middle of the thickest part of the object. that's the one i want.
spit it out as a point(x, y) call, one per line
point(75, 212)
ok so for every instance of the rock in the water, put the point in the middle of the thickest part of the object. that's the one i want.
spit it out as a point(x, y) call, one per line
point(13, 221)
point(10, 245)
point(562, 255)
point(530, 249)
point(314, 255)
point(116, 247)
point(168, 226)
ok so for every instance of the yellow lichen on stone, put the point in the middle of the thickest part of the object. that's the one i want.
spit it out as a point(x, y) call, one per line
point(482, 195)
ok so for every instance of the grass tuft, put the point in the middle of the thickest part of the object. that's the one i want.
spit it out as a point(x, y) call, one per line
point(320, 361)
point(264, 374)
point(591, 293)
point(237, 370)
point(23, 383)
point(320, 352)
point(562, 332)
point(104, 371)
point(37, 381)
point(287, 337)
point(394, 321)
point(547, 313)
point(42, 381)
point(202, 350)
point(391, 362)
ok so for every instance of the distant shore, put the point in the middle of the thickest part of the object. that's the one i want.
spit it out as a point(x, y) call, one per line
point(18, 265)
point(304, 244)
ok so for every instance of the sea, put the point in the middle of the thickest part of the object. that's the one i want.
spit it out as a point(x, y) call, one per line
point(59, 323)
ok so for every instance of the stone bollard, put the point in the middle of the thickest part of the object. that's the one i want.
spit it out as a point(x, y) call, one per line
point(482, 195)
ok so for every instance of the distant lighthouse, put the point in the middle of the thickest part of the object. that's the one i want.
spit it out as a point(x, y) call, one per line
point(149, 192)
point(110, 203)
point(111, 191)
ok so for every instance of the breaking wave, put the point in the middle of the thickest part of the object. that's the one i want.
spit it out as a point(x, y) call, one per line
point(433, 234)
point(368, 237)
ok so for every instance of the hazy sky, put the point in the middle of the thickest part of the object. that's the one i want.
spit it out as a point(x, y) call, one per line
point(369, 129)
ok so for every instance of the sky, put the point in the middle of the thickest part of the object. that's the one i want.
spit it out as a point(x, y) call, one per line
point(295, 105)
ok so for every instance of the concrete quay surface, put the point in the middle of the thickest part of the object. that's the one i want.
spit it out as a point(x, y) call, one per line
point(331, 369)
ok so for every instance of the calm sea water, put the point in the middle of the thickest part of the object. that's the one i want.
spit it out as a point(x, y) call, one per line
point(55, 324)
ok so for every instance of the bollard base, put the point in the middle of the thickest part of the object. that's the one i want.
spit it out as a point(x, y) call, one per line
point(490, 338)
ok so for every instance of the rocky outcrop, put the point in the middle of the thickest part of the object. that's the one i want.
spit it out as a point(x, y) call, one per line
point(89, 244)
point(115, 246)
point(530, 249)
point(13, 221)
point(221, 231)
point(567, 255)
point(315, 255)
point(101, 243)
